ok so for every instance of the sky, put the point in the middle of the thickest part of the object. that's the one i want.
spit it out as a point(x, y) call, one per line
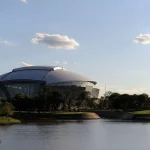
point(107, 41)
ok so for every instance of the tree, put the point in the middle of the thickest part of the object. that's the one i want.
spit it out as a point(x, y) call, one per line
point(107, 94)
point(42, 98)
point(106, 99)
point(142, 101)
point(102, 103)
point(1, 101)
point(92, 103)
point(48, 99)
point(83, 99)
point(54, 100)
point(69, 96)
point(124, 102)
point(113, 101)
point(7, 109)
point(18, 101)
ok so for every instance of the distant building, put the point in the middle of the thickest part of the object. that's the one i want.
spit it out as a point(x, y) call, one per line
point(95, 92)
point(29, 80)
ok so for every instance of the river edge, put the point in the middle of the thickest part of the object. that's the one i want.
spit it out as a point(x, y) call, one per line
point(27, 117)
point(8, 121)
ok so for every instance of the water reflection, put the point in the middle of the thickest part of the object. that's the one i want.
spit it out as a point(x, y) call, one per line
point(76, 135)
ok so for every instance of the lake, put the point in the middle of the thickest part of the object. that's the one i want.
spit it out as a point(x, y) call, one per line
point(76, 135)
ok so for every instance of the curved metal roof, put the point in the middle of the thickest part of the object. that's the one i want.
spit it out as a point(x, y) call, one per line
point(48, 74)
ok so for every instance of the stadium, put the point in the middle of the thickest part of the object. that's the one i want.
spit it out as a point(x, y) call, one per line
point(29, 80)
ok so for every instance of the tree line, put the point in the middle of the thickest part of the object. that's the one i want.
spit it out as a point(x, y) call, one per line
point(124, 102)
point(51, 99)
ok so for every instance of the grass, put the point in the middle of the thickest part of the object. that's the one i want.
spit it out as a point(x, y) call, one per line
point(142, 112)
point(71, 113)
point(9, 120)
point(23, 116)
point(76, 115)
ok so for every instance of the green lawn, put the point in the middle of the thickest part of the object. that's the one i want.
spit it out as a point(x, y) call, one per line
point(142, 112)
point(71, 113)
point(6, 121)
point(76, 115)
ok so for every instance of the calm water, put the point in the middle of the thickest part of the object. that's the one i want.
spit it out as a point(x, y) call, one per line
point(76, 135)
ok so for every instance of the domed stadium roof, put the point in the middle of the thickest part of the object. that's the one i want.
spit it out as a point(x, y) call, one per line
point(48, 74)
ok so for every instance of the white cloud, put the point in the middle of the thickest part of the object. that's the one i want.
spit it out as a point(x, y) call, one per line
point(26, 64)
point(142, 39)
point(6, 43)
point(24, 1)
point(65, 63)
point(56, 62)
point(55, 41)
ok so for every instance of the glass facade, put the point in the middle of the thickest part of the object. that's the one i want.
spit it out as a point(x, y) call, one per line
point(11, 89)
point(75, 83)
point(30, 89)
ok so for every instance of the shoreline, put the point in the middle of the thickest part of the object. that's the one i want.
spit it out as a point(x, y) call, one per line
point(45, 117)
point(8, 121)
point(48, 117)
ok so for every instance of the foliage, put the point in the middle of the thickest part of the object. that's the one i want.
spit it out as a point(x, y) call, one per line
point(73, 98)
point(8, 120)
point(83, 99)
point(69, 97)
point(124, 102)
point(143, 112)
point(52, 98)
point(7, 109)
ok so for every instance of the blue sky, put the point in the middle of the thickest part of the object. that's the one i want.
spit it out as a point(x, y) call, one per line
point(104, 30)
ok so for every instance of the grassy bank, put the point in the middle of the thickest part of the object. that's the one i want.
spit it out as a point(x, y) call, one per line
point(76, 115)
point(8, 121)
point(46, 117)
point(137, 115)
point(142, 112)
